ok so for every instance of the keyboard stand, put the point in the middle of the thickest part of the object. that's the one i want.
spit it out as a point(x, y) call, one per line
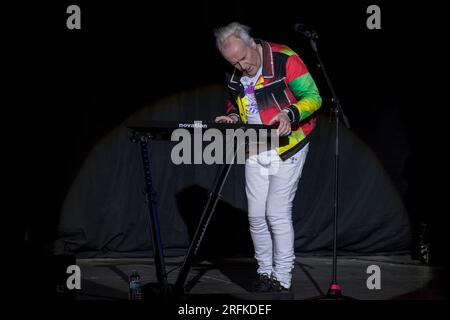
point(142, 134)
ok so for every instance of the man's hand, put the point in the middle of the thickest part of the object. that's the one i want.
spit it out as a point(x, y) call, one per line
point(225, 119)
point(284, 127)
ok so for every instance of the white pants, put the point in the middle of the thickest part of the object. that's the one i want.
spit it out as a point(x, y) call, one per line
point(271, 184)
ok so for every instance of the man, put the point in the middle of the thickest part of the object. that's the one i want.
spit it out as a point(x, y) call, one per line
point(270, 85)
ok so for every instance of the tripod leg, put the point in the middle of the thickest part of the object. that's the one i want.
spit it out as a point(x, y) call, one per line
point(201, 229)
point(203, 224)
point(154, 221)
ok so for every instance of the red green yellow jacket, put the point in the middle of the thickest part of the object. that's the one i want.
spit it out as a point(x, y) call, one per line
point(285, 84)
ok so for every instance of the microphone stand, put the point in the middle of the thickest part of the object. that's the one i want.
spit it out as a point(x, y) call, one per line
point(334, 290)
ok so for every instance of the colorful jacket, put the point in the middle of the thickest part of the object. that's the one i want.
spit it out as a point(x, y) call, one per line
point(285, 83)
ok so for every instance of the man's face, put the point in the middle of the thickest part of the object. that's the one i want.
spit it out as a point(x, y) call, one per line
point(242, 56)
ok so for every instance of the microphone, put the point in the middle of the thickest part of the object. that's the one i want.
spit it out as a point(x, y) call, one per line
point(310, 34)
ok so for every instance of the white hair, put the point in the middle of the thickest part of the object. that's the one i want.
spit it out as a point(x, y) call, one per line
point(233, 29)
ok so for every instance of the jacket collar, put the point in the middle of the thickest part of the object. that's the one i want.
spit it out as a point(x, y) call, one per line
point(267, 59)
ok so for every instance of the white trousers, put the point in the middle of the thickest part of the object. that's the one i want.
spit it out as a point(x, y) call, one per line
point(271, 185)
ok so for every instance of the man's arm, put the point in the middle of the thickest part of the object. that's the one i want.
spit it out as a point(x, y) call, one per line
point(303, 87)
point(231, 115)
point(232, 110)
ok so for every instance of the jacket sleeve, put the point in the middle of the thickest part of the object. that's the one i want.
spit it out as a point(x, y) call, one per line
point(304, 89)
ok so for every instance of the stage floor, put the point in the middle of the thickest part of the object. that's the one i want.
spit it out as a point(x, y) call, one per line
point(400, 277)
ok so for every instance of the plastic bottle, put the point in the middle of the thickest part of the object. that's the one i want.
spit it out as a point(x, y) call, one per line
point(135, 292)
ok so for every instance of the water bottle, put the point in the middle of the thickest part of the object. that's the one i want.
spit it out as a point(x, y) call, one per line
point(135, 287)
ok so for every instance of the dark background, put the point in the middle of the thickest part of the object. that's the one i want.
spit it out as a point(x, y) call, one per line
point(77, 85)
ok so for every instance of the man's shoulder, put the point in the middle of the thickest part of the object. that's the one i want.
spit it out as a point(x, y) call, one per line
point(281, 48)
